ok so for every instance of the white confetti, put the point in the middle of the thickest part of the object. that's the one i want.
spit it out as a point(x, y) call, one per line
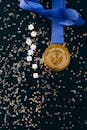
point(30, 27)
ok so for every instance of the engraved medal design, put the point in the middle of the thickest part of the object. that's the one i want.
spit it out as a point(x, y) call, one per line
point(56, 57)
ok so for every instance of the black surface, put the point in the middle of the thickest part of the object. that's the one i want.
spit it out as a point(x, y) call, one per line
point(71, 107)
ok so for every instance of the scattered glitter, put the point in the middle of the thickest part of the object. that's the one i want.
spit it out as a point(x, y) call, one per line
point(32, 96)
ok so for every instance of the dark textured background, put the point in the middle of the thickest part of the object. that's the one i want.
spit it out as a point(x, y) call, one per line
point(73, 78)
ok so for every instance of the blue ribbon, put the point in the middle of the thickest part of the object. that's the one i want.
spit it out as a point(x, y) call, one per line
point(59, 15)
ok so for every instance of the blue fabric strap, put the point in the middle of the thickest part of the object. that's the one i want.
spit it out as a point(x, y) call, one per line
point(57, 29)
point(59, 15)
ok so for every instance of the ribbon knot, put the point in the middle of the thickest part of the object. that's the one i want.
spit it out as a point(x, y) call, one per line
point(59, 15)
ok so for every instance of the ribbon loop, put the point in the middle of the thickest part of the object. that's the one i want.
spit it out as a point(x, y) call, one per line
point(59, 15)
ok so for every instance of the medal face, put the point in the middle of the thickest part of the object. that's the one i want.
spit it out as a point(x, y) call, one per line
point(56, 57)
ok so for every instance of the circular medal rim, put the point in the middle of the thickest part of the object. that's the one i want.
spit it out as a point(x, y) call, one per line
point(64, 49)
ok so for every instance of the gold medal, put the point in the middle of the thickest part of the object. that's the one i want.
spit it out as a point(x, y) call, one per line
point(56, 57)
